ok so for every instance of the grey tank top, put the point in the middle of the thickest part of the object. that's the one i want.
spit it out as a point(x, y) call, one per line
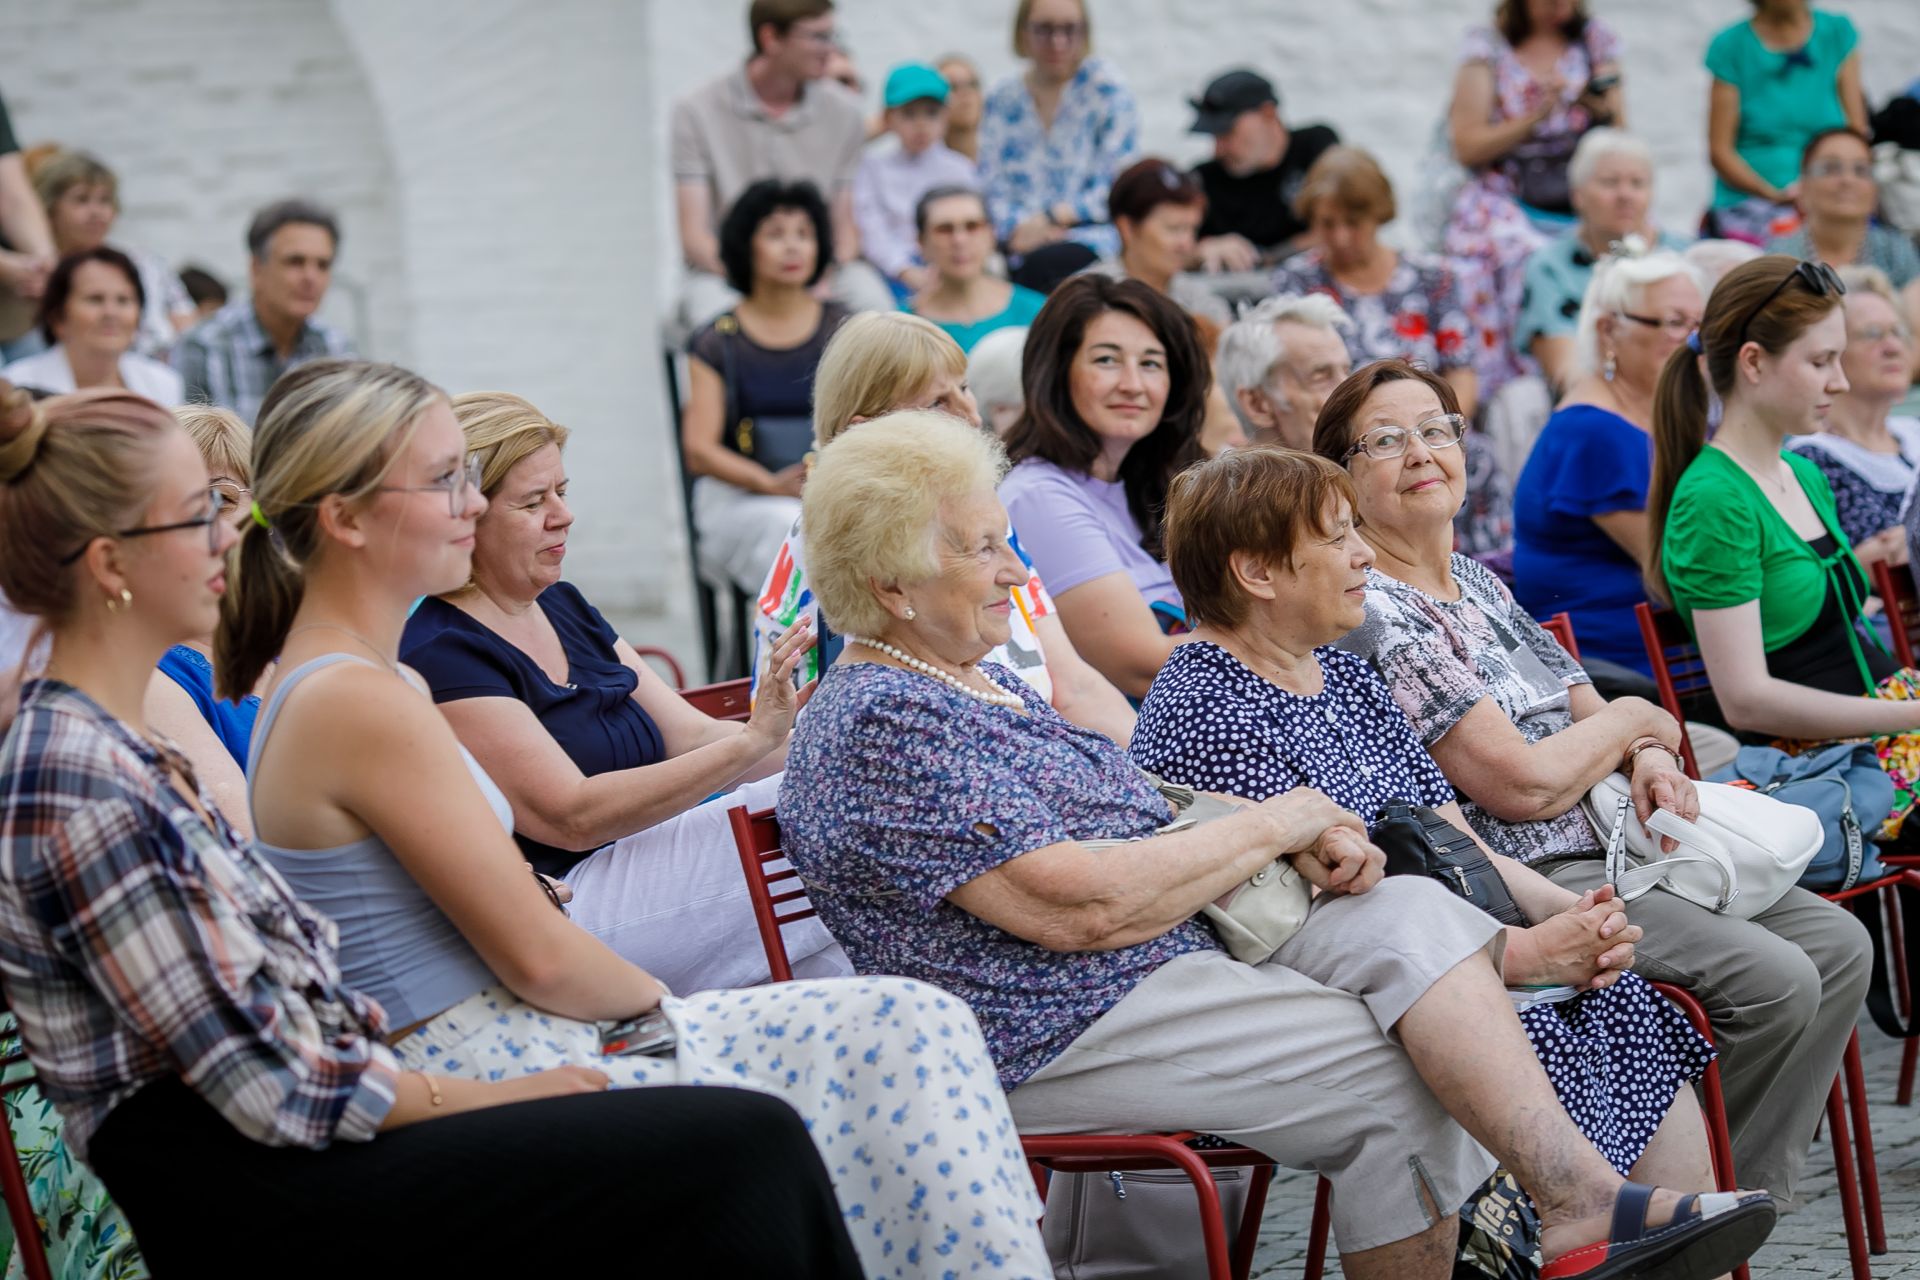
point(395, 944)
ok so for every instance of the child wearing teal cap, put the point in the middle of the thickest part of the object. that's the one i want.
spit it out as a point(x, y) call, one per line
point(893, 175)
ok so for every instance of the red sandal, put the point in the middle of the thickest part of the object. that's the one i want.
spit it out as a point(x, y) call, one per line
point(1709, 1236)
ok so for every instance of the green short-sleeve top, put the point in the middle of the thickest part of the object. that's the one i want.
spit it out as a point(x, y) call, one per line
point(1724, 544)
point(1785, 98)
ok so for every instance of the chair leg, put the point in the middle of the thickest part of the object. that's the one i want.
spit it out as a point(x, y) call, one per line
point(1896, 946)
point(1249, 1233)
point(26, 1227)
point(1850, 1212)
point(1317, 1233)
point(1856, 1091)
point(1041, 1180)
point(1213, 1220)
point(1909, 1057)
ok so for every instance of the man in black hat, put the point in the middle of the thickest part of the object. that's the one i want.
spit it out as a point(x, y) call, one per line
point(1257, 167)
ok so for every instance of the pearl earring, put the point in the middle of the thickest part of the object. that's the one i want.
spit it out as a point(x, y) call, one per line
point(1607, 370)
point(911, 615)
point(122, 604)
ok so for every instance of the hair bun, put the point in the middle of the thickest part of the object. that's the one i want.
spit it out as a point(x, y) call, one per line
point(22, 425)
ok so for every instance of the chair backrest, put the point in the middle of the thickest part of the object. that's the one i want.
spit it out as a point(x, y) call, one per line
point(1678, 669)
point(1896, 591)
point(672, 664)
point(728, 700)
point(778, 896)
point(1560, 627)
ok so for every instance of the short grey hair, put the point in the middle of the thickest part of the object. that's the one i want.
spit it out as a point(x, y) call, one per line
point(1597, 145)
point(1860, 278)
point(1250, 347)
point(1714, 258)
point(1616, 281)
point(286, 213)
point(993, 369)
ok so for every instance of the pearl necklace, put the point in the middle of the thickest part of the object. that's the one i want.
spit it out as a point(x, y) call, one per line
point(998, 698)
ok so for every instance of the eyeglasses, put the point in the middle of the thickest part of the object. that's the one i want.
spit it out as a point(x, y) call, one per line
point(1835, 168)
point(1063, 32)
point(216, 503)
point(1871, 335)
point(961, 85)
point(553, 896)
point(454, 486)
point(1441, 431)
point(1821, 281)
point(971, 227)
point(232, 494)
point(1672, 326)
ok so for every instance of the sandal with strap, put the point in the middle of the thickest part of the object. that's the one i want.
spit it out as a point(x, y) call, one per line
point(1709, 1236)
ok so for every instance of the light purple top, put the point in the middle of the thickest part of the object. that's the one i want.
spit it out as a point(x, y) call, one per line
point(1078, 528)
point(886, 189)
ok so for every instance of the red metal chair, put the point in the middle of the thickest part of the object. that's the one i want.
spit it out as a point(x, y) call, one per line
point(779, 898)
point(1679, 671)
point(728, 700)
point(1560, 627)
point(13, 1178)
point(1902, 603)
point(672, 664)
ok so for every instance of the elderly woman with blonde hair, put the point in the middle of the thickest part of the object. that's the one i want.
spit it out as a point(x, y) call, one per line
point(881, 362)
point(951, 827)
point(606, 767)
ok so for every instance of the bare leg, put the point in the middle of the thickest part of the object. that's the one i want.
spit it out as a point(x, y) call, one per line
point(1469, 1047)
point(1427, 1256)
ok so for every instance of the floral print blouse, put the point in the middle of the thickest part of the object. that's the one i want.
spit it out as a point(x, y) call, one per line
point(1027, 168)
point(899, 790)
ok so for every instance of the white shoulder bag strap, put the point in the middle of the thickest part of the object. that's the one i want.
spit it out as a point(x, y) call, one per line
point(1632, 881)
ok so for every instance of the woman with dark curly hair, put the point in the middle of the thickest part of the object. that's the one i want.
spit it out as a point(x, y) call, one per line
point(747, 425)
point(1116, 382)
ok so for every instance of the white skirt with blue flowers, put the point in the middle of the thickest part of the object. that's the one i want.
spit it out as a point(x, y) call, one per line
point(891, 1076)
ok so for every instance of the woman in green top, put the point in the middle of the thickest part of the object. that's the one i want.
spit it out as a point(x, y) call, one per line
point(1779, 78)
point(1746, 542)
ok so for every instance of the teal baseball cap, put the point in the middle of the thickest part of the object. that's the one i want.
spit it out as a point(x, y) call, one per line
point(912, 82)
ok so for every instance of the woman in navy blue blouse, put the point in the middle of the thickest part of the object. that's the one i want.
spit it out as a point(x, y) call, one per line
point(605, 766)
point(1257, 703)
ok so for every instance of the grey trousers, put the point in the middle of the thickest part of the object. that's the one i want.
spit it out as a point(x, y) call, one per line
point(1295, 1057)
point(1783, 989)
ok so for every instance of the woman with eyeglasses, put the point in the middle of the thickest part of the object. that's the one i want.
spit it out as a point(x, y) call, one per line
point(1520, 734)
point(1869, 454)
point(1839, 196)
point(965, 103)
point(181, 705)
point(186, 1014)
point(1746, 538)
point(364, 798)
point(1052, 139)
point(1580, 506)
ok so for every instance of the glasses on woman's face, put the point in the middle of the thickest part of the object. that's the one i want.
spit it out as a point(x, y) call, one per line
point(209, 521)
point(1872, 335)
point(1441, 431)
point(454, 484)
point(1673, 326)
point(1837, 168)
point(1056, 32)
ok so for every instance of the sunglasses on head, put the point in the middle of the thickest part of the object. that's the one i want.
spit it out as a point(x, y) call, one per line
point(1821, 280)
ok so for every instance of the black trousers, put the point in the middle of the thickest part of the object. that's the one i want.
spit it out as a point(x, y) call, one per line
point(662, 1182)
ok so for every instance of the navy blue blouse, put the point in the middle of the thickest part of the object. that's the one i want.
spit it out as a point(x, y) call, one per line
point(592, 716)
point(232, 721)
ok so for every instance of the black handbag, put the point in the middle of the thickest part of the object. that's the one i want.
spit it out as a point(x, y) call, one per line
point(775, 443)
point(1419, 842)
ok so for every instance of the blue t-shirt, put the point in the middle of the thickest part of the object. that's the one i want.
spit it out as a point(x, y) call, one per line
point(1021, 308)
point(232, 721)
point(1587, 462)
point(593, 716)
point(899, 790)
point(1211, 723)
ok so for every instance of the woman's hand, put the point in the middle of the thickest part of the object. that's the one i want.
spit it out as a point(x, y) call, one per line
point(1587, 946)
point(1552, 89)
point(787, 481)
point(1341, 862)
point(1888, 544)
point(1033, 232)
point(777, 701)
point(1659, 783)
point(1229, 252)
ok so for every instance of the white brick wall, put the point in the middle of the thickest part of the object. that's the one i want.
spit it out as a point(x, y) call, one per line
point(499, 164)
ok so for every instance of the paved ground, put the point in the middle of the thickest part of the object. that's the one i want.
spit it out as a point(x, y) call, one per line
point(1806, 1245)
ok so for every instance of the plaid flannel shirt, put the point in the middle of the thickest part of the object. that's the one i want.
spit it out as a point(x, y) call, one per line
point(229, 360)
point(138, 942)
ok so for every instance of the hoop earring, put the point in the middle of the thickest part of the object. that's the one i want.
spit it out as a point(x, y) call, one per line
point(1606, 370)
point(124, 603)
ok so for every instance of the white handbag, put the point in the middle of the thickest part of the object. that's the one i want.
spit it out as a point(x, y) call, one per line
point(1738, 858)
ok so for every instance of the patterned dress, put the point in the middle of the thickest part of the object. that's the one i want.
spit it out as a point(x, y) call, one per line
point(1422, 316)
point(1870, 490)
point(1616, 1057)
point(1027, 167)
point(1489, 226)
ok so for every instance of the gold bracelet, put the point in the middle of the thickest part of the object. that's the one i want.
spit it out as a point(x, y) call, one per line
point(1646, 744)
